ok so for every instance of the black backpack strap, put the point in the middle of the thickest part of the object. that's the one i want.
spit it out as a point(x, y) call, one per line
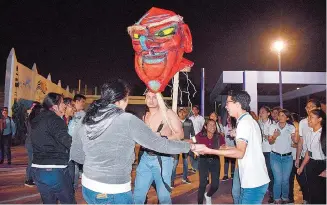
point(160, 163)
point(160, 127)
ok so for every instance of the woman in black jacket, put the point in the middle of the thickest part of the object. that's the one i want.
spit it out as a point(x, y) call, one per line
point(51, 144)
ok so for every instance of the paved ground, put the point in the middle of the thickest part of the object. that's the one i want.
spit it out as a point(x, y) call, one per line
point(13, 191)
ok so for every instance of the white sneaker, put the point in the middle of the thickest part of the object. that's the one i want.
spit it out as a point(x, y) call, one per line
point(208, 199)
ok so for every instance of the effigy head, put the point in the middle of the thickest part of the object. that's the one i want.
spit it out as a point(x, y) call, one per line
point(160, 39)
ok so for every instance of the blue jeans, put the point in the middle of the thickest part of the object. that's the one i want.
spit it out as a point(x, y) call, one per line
point(281, 168)
point(54, 184)
point(253, 195)
point(148, 171)
point(236, 188)
point(92, 197)
point(185, 166)
point(29, 149)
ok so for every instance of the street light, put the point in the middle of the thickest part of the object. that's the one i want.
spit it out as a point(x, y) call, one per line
point(279, 46)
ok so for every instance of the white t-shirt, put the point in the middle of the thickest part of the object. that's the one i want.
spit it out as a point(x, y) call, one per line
point(266, 147)
point(283, 143)
point(252, 167)
point(198, 123)
point(312, 143)
point(303, 130)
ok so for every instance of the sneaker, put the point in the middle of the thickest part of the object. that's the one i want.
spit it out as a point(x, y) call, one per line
point(193, 170)
point(208, 199)
point(225, 178)
point(29, 183)
point(186, 181)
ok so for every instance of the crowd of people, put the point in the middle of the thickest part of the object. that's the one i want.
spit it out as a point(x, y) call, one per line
point(266, 153)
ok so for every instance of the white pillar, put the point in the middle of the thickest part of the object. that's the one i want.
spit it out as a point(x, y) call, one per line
point(10, 70)
point(250, 82)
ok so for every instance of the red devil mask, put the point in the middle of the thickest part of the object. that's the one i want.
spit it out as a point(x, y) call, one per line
point(160, 39)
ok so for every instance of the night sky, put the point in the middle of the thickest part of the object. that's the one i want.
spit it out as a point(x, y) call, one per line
point(88, 40)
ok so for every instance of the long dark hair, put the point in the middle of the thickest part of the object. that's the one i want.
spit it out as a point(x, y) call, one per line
point(50, 100)
point(217, 121)
point(215, 135)
point(68, 101)
point(268, 111)
point(321, 114)
point(295, 117)
point(35, 112)
point(315, 102)
point(111, 92)
point(288, 115)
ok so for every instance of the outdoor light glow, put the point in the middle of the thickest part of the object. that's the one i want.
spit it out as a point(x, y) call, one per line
point(297, 88)
point(279, 46)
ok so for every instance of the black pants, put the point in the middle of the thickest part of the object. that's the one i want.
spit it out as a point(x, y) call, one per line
point(291, 181)
point(206, 166)
point(302, 179)
point(6, 147)
point(317, 184)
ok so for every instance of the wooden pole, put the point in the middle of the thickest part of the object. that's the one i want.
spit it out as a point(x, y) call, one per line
point(175, 92)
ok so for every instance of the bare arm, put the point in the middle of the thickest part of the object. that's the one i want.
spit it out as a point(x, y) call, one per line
point(272, 139)
point(176, 126)
point(298, 152)
point(304, 163)
point(233, 152)
point(296, 136)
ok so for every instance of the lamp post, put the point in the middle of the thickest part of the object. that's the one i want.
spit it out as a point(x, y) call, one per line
point(278, 46)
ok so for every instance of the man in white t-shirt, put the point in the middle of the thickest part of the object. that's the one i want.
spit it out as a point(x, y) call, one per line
point(197, 120)
point(252, 167)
